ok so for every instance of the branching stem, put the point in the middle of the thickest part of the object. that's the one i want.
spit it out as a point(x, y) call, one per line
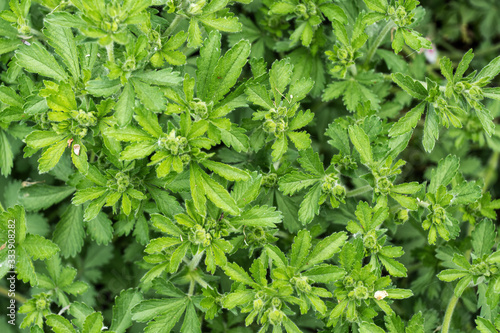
point(358, 191)
point(380, 38)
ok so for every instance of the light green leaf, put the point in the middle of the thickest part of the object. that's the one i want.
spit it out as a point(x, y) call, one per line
point(124, 108)
point(483, 238)
point(463, 65)
point(122, 310)
point(227, 24)
point(296, 181)
point(326, 248)
point(379, 6)
point(280, 147)
point(447, 169)
point(409, 121)
point(62, 40)
point(238, 274)
point(411, 86)
point(69, 234)
point(6, 155)
point(301, 140)
point(93, 323)
point(218, 194)
point(394, 268)
point(41, 196)
point(59, 324)
point(228, 70)
point(206, 63)
point(36, 59)
point(151, 96)
point(100, 229)
point(362, 144)
point(163, 77)
point(310, 205)
point(280, 76)
point(300, 248)
point(258, 216)
point(51, 156)
point(226, 171)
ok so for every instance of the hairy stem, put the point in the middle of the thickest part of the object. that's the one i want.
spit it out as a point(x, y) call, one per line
point(380, 38)
point(191, 288)
point(195, 261)
point(111, 52)
point(491, 170)
point(172, 25)
point(18, 297)
point(358, 191)
point(449, 313)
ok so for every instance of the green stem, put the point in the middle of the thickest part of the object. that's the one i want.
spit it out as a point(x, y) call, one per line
point(111, 52)
point(380, 38)
point(191, 288)
point(491, 170)
point(448, 314)
point(18, 297)
point(1, 208)
point(196, 260)
point(358, 191)
point(172, 25)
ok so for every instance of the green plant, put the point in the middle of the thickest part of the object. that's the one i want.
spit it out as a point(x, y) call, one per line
point(259, 166)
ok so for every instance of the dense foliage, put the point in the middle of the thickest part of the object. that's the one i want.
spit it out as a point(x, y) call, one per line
point(249, 166)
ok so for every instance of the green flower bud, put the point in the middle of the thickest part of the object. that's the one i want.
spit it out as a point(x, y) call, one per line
point(348, 281)
point(41, 304)
point(438, 215)
point(476, 93)
point(402, 216)
point(342, 54)
point(300, 10)
point(275, 317)
point(276, 303)
point(370, 240)
point(199, 108)
point(459, 87)
point(258, 304)
point(401, 12)
point(391, 11)
point(361, 292)
point(24, 30)
point(269, 126)
point(122, 181)
point(269, 180)
point(383, 186)
point(129, 64)
point(281, 126)
point(301, 283)
point(196, 8)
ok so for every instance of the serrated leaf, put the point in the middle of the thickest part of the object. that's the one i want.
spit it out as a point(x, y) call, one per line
point(483, 238)
point(69, 234)
point(258, 216)
point(408, 122)
point(228, 70)
point(93, 323)
point(394, 268)
point(122, 310)
point(36, 59)
point(226, 171)
point(59, 324)
point(326, 248)
point(218, 194)
point(100, 229)
point(62, 40)
point(41, 196)
point(310, 205)
point(444, 173)
point(362, 144)
point(411, 86)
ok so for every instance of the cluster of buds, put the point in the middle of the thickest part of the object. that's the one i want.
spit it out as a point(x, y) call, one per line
point(482, 268)
point(301, 283)
point(276, 121)
point(269, 179)
point(85, 119)
point(360, 291)
point(383, 186)
point(400, 16)
point(306, 10)
point(174, 144)
point(199, 108)
point(275, 314)
point(342, 57)
point(370, 241)
point(200, 236)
